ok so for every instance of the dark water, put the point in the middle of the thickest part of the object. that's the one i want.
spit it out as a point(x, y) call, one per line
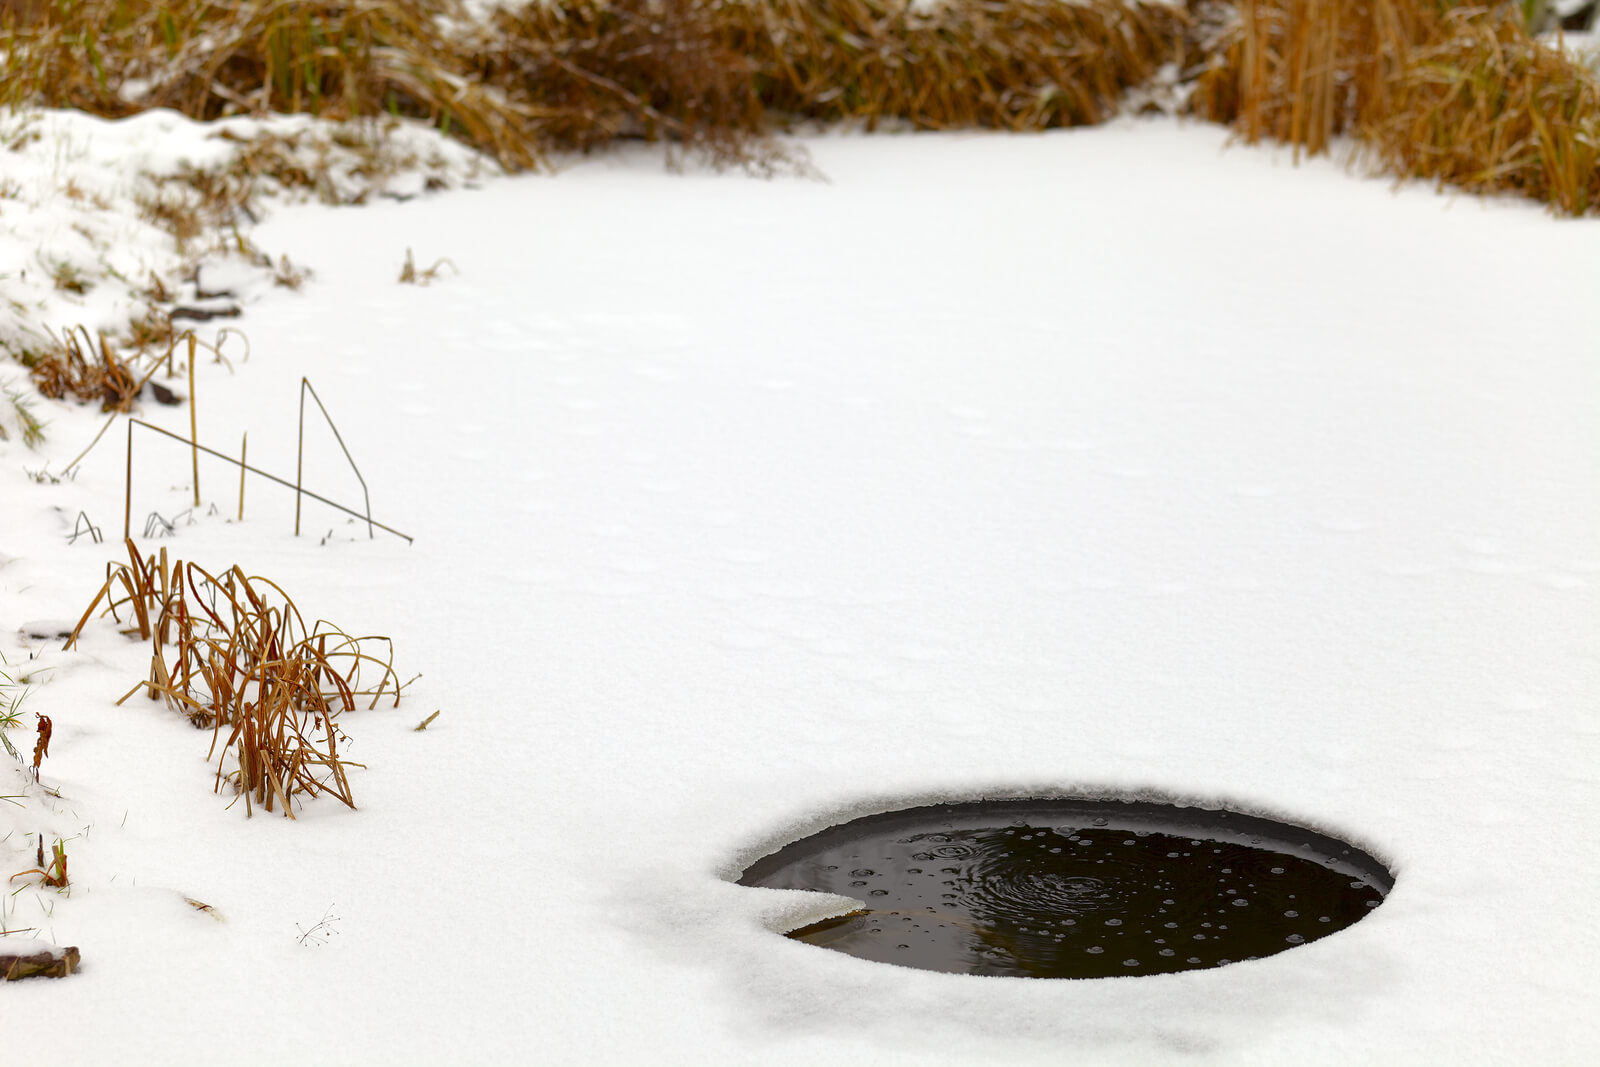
point(1074, 888)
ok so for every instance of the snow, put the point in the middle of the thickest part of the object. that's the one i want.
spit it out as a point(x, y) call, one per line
point(75, 189)
point(1111, 461)
point(31, 946)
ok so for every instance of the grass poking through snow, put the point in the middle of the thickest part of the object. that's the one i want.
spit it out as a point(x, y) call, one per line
point(234, 654)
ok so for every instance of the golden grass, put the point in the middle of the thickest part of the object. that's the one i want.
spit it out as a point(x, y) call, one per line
point(207, 59)
point(1005, 64)
point(234, 654)
point(1485, 107)
point(1433, 88)
point(575, 75)
point(1459, 94)
point(84, 367)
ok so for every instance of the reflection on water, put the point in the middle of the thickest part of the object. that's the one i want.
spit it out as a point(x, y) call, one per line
point(1100, 896)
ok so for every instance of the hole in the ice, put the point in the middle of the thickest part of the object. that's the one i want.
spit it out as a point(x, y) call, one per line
point(1075, 888)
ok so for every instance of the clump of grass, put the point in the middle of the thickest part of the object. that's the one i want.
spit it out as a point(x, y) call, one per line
point(1484, 106)
point(411, 274)
point(175, 210)
point(578, 74)
point(209, 58)
point(84, 367)
point(233, 653)
point(286, 274)
point(150, 328)
point(585, 73)
point(1004, 64)
point(1429, 88)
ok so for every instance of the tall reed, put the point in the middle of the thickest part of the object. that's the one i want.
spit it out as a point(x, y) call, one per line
point(1432, 88)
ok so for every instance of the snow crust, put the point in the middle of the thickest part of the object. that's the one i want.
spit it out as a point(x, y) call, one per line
point(1107, 462)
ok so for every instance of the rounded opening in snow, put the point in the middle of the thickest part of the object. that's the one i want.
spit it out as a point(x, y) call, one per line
point(1075, 888)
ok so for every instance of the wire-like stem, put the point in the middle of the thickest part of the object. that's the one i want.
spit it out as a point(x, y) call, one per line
point(305, 387)
point(127, 508)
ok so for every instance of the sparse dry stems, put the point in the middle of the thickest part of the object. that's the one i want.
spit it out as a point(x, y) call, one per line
point(234, 654)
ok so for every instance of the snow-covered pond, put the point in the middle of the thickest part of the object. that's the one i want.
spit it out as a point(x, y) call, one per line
point(1111, 460)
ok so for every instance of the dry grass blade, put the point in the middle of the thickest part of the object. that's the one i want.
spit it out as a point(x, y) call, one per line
point(233, 653)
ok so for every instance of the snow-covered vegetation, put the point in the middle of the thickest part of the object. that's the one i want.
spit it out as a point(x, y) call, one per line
point(1118, 461)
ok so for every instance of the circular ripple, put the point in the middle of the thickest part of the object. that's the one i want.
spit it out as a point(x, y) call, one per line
point(1075, 888)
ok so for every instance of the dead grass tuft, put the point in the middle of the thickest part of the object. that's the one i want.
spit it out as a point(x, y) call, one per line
point(84, 367)
point(234, 654)
point(411, 274)
point(1459, 94)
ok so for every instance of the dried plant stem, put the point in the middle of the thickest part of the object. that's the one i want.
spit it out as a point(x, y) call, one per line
point(127, 504)
point(194, 425)
point(244, 448)
point(306, 387)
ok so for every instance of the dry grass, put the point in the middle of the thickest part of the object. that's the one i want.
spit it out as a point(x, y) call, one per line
point(1485, 107)
point(1005, 64)
point(581, 73)
point(207, 59)
point(1433, 88)
point(234, 654)
point(411, 274)
point(84, 367)
point(1460, 94)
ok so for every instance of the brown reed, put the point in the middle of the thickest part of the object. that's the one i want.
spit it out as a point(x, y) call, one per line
point(1432, 88)
point(234, 654)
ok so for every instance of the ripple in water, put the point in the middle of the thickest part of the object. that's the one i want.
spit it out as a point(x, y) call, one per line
point(1022, 891)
